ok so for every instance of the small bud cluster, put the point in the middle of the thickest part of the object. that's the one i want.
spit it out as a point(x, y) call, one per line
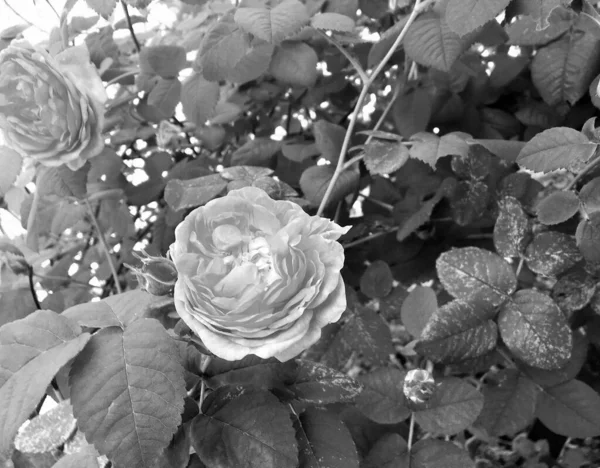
point(157, 275)
point(419, 386)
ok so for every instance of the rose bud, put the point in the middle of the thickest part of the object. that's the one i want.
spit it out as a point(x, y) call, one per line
point(157, 274)
point(418, 386)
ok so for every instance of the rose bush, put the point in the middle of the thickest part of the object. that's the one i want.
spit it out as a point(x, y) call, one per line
point(257, 276)
point(51, 108)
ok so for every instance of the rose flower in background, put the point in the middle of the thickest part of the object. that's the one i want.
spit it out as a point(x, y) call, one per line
point(51, 108)
point(257, 276)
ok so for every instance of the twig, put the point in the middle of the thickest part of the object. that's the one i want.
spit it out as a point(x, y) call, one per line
point(520, 266)
point(102, 239)
point(411, 432)
point(349, 245)
point(130, 26)
point(583, 173)
point(355, 63)
point(385, 206)
point(32, 288)
point(53, 9)
point(419, 6)
point(64, 279)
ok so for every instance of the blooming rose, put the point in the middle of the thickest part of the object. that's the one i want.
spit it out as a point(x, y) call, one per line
point(51, 108)
point(257, 276)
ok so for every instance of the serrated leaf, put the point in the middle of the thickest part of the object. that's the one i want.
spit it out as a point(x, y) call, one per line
point(62, 181)
point(118, 310)
point(557, 207)
point(464, 17)
point(379, 50)
point(476, 275)
point(540, 10)
point(573, 291)
point(587, 237)
point(295, 63)
point(103, 7)
point(453, 407)
point(433, 453)
point(319, 385)
point(430, 42)
point(512, 228)
point(47, 431)
point(299, 152)
point(570, 409)
point(429, 147)
point(524, 32)
point(458, 330)
point(412, 111)
point(556, 148)
point(181, 194)
point(273, 25)
point(199, 98)
point(165, 61)
point(550, 378)
point(376, 281)
point(469, 201)
point(385, 157)
point(257, 152)
point(509, 403)
point(145, 397)
point(324, 440)
point(11, 163)
point(382, 399)
point(235, 423)
point(315, 179)
point(32, 350)
point(329, 138)
point(590, 196)
point(563, 70)
point(333, 22)
point(418, 308)
point(535, 330)
point(165, 95)
point(552, 253)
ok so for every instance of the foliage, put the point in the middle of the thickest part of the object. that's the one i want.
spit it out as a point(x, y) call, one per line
point(457, 139)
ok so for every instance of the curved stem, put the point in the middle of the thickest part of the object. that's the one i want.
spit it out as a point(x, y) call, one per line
point(355, 63)
point(411, 432)
point(32, 288)
point(583, 173)
point(419, 6)
point(130, 26)
point(109, 258)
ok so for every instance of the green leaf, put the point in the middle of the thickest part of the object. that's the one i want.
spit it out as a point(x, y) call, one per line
point(535, 330)
point(432, 453)
point(588, 236)
point(300, 152)
point(557, 207)
point(469, 201)
point(135, 417)
point(236, 423)
point(540, 10)
point(32, 350)
point(165, 61)
point(273, 25)
point(11, 163)
point(418, 308)
point(524, 32)
point(382, 399)
point(556, 148)
point(199, 98)
point(385, 157)
point(464, 17)
point(552, 253)
point(257, 152)
point(182, 194)
point(376, 281)
point(329, 138)
point(295, 63)
point(62, 181)
point(428, 147)
point(379, 50)
point(343, 7)
point(430, 42)
point(103, 7)
point(390, 451)
point(570, 409)
point(412, 111)
point(165, 95)
point(458, 330)
point(47, 431)
point(509, 403)
point(333, 22)
point(315, 179)
point(512, 228)
point(563, 70)
point(453, 407)
point(590, 196)
point(80, 459)
point(324, 440)
point(477, 275)
point(118, 310)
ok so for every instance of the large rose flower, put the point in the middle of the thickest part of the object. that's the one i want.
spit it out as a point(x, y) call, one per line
point(51, 108)
point(257, 276)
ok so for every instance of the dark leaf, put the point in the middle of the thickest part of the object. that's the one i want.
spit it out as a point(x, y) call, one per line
point(165, 61)
point(464, 17)
point(295, 63)
point(418, 308)
point(557, 207)
point(552, 253)
point(433, 453)
point(62, 181)
point(587, 237)
point(199, 98)
point(329, 139)
point(257, 152)
point(391, 451)
point(315, 180)
point(384, 157)
point(590, 196)
point(382, 399)
point(376, 281)
point(181, 194)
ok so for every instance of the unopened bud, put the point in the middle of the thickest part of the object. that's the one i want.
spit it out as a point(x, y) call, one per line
point(418, 386)
point(157, 275)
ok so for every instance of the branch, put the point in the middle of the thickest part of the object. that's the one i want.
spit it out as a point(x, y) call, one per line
point(418, 8)
point(355, 63)
point(102, 239)
point(582, 174)
point(130, 26)
point(32, 288)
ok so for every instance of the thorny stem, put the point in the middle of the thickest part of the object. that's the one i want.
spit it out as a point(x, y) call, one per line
point(583, 173)
point(109, 258)
point(130, 26)
point(418, 8)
